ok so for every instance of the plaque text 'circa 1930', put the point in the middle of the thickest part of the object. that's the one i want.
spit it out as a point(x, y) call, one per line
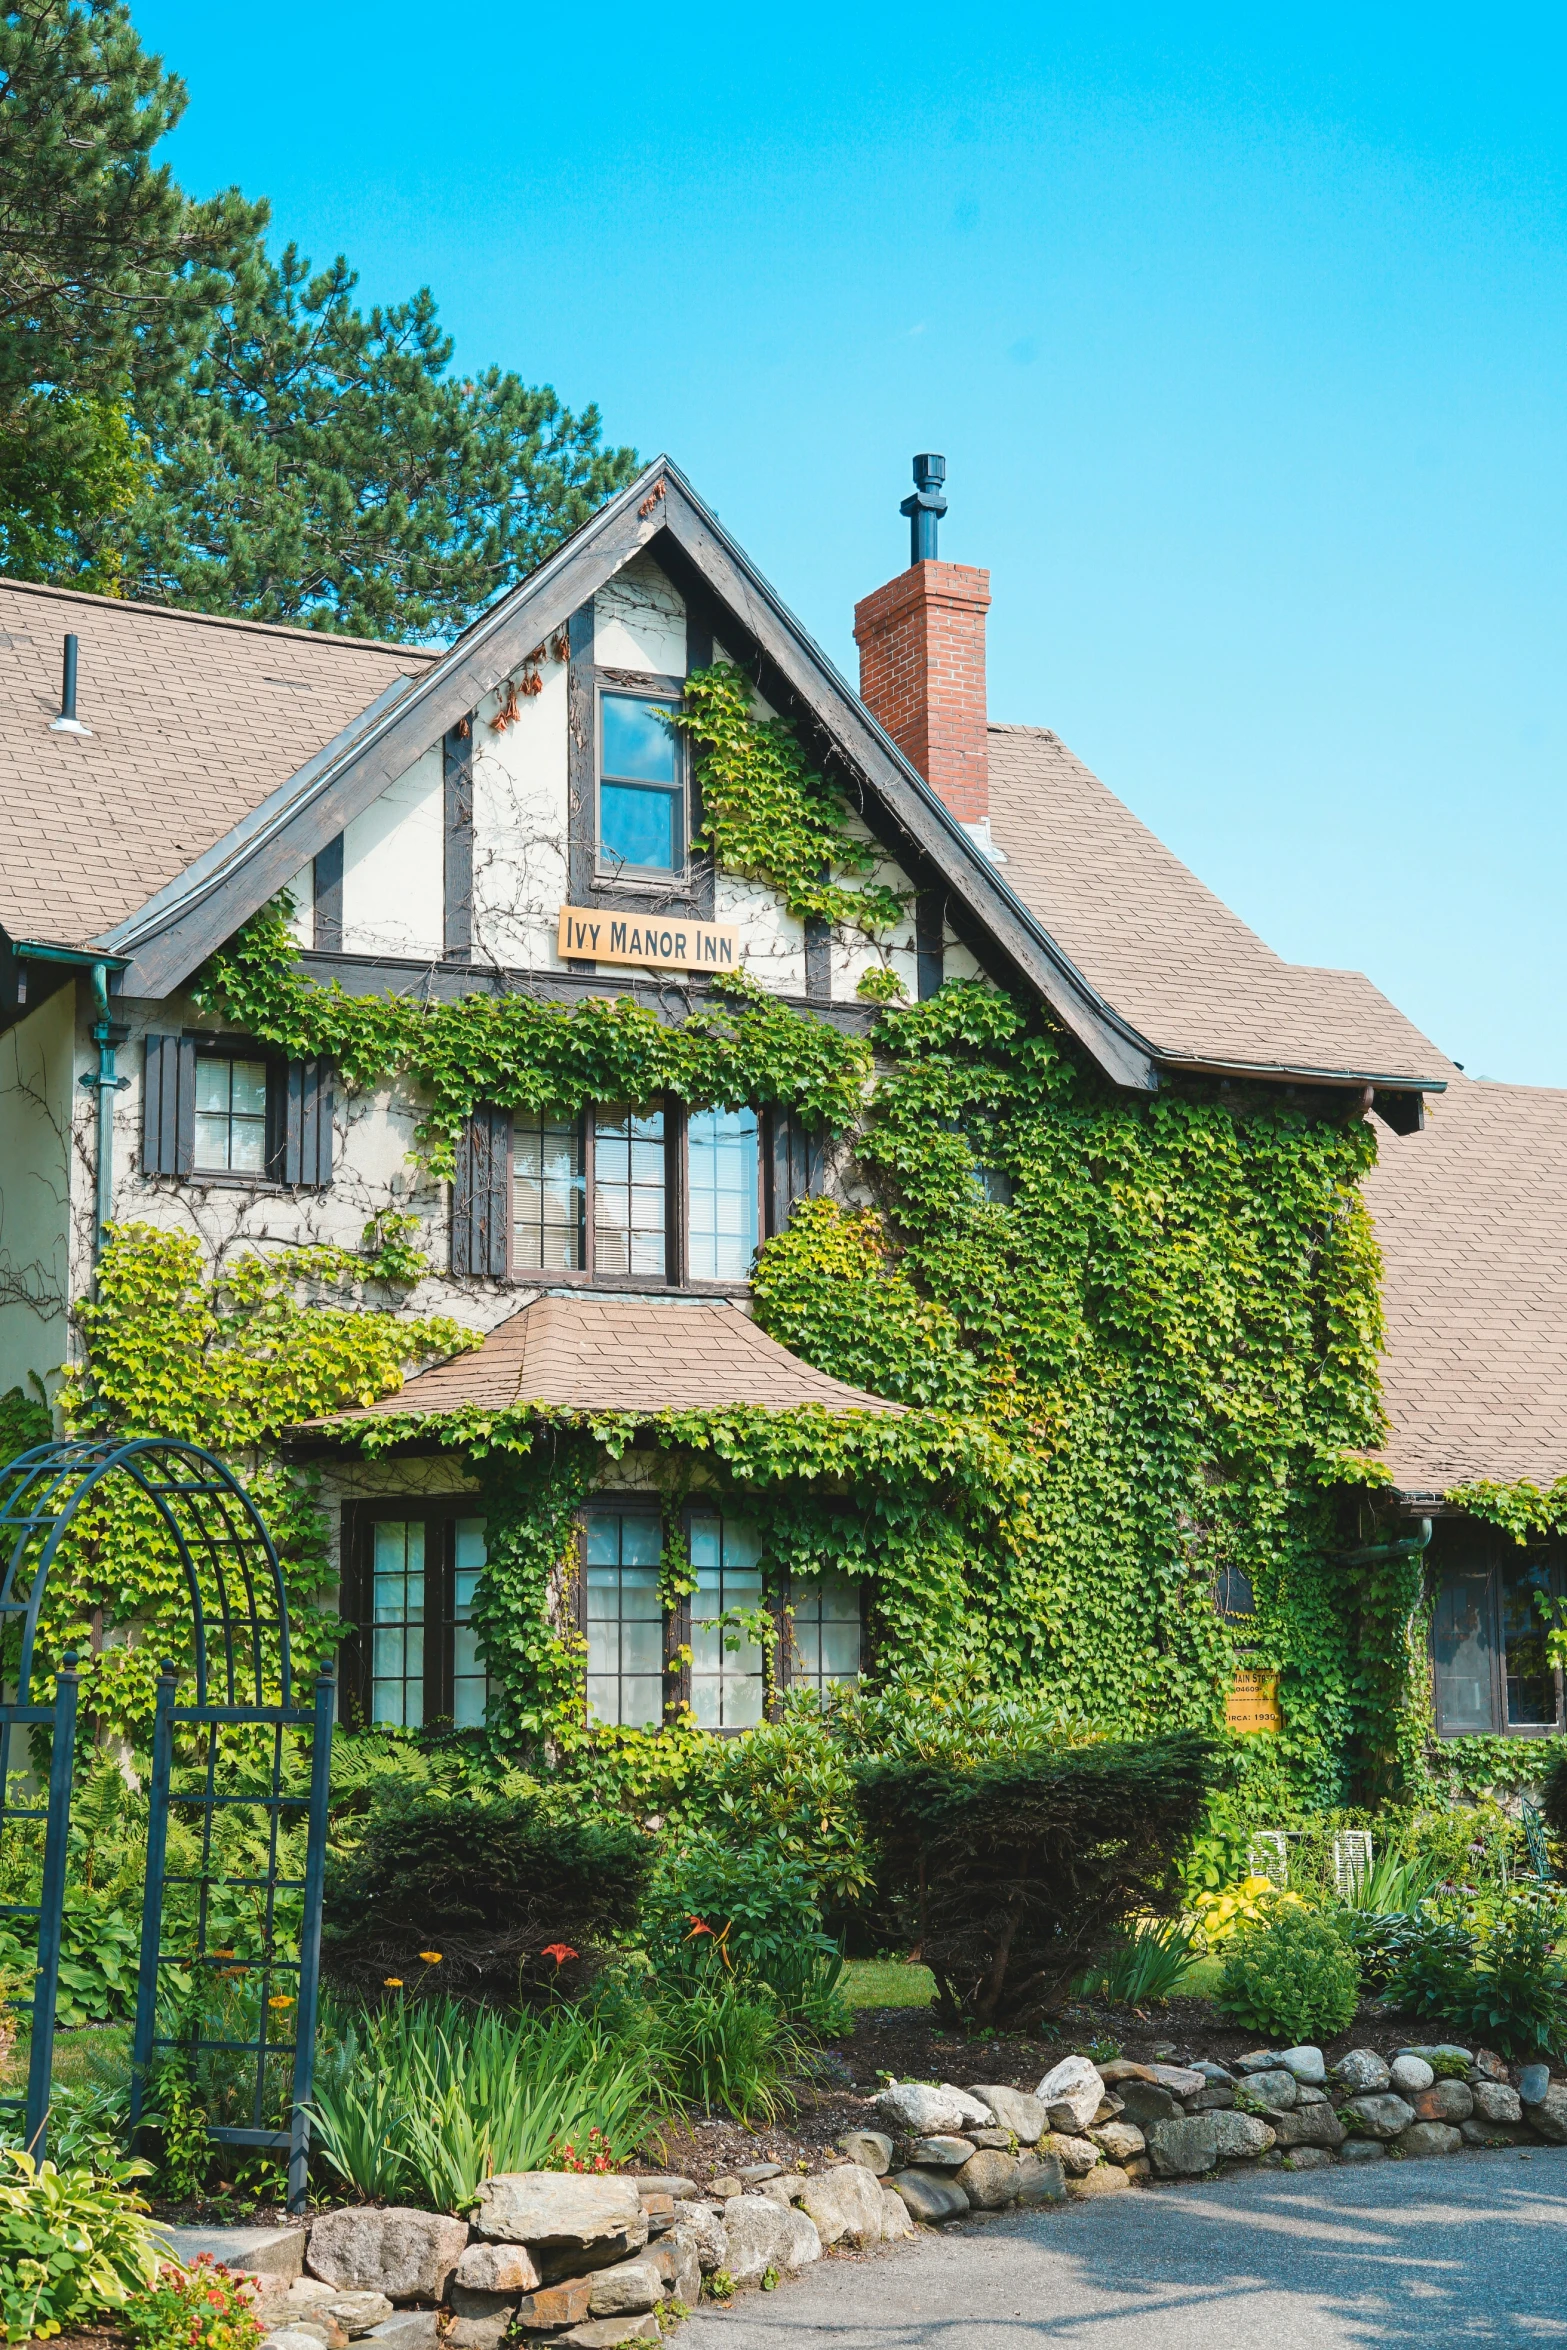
point(655, 941)
point(1253, 1703)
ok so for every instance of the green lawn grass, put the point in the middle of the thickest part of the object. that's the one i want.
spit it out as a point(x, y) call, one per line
point(887, 1982)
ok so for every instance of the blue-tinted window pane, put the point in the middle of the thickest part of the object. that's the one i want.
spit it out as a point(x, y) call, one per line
point(722, 1160)
point(625, 1615)
point(639, 739)
point(826, 1620)
point(639, 827)
point(726, 1683)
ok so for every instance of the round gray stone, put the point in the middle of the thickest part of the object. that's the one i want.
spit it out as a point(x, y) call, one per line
point(1362, 2072)
point(1410, 2074)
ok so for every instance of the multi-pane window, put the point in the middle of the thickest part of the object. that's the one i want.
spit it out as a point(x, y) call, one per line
point(231, 1115)
point(826, 1635)
point(411, 1571)
point(1495, 1605)
point(641, 793)
point(624, 1615)
point(726, 1657)
point(630, 1214)
point(596, 1192)
point(548, 1191)
point(721, 1147)
point(397, 1624)
point(470, 1683)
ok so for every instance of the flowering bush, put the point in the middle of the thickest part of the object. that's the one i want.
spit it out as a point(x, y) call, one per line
point(199, 2308)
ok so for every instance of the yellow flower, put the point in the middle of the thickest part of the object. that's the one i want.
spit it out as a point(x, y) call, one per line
point(431, 1957)
point(392, 1982)
point(280, 1999)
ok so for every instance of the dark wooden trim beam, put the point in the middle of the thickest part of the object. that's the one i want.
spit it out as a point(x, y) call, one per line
point(327, 877)
point(930, 942)
point(457, 777)
point(581, 762)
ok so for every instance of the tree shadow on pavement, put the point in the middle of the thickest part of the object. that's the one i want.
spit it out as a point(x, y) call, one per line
point(1467, 2251)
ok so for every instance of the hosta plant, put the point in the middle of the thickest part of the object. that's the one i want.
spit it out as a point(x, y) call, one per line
point(74, 2245)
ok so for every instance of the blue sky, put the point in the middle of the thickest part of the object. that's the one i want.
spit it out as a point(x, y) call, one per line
point(1242, 333)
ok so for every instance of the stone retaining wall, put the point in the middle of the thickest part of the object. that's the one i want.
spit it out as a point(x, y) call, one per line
point(595, 2261)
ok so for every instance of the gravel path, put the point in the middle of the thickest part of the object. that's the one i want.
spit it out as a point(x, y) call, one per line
point(1422, 2256)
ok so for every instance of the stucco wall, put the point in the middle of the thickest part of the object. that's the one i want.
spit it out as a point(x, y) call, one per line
point(36, 1111)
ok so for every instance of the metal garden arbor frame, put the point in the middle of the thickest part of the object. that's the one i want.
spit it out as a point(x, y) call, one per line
point(239, 1615)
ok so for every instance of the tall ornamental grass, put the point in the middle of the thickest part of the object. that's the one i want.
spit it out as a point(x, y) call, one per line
point(425, 2100)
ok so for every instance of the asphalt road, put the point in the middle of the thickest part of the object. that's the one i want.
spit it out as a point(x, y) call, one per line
point(1467, 2250)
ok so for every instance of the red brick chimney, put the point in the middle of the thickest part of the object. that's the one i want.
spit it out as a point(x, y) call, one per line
point(922, 659)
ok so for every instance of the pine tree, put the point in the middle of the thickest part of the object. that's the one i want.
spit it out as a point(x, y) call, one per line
point(320, 465)
point(185, 419)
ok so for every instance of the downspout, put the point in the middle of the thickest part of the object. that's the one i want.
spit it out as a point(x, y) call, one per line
point(106, 1084)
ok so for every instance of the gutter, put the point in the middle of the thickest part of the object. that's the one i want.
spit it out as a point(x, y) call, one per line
point(1375, 1553)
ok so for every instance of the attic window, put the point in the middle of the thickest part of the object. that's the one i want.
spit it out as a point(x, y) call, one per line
point(641, 826)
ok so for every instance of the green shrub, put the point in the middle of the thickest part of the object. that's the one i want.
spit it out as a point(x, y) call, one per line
point(1294, 1979)
point(788, 1784)
point(719, 1909)
point(73, 2244)
point(199, 2308)
point(1497, 1977)
point(1426, 1964)
point(498, 1882)
point(1007, 1853)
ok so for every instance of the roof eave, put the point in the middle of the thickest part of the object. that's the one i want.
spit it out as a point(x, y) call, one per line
point(1298, 1072)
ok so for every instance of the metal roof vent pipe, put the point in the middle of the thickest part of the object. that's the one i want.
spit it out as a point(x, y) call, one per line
point(68, 722)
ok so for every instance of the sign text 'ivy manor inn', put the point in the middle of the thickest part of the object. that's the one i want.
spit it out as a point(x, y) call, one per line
point(587, 934)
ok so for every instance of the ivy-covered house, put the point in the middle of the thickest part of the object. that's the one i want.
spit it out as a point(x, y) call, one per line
point(848, 1198)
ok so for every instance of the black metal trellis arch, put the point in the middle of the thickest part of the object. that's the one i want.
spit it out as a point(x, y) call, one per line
point(239, 1616)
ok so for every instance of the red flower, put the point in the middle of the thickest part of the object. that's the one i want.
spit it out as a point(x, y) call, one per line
point(559, 1952)
point(697, 1927)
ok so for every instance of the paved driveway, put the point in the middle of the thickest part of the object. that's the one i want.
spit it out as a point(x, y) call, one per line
point(1469, 2250)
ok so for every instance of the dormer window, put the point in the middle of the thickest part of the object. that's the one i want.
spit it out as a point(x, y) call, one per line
point(641, 827)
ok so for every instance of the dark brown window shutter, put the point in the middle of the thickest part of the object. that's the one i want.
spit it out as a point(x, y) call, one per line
point(168, 1106)
point(481, 1202)
point(794, 1166)
point(307, 1124)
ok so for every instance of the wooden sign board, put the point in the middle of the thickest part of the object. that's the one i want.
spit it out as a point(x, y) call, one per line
point(654, 942)
point(1253, 1703)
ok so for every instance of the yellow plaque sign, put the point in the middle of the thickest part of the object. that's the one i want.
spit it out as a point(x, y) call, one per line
point(656, 942)
point(1253, 1703)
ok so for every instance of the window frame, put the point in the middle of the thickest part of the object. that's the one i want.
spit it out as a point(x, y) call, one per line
point(209, 1047)
point(677, 1209)
point(646, 879)
point(356, 1600)
point(1490, 1556)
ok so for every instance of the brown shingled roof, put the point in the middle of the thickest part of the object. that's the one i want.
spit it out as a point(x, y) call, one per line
point(621, 1354)
point(1160, 947)
point(1472, 1219)
point(194, 721)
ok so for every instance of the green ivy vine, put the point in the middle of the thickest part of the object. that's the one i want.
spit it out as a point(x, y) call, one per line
point(768, 815)
point(1155, 1358)
point(519, 1052)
